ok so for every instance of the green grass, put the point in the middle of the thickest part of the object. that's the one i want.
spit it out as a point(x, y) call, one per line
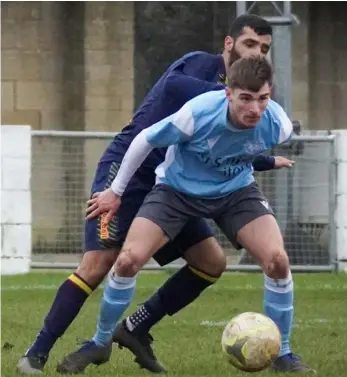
point(183, 344)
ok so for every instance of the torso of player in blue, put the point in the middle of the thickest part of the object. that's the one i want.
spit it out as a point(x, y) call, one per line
point(208, 157)
point(167, 96)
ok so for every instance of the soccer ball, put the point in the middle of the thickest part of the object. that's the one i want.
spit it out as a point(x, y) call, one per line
point(251, 341)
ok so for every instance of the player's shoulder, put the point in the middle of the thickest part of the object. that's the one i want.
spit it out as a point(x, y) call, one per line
point(208, 108)
point(208, 101)
point(199, 56)
point(276, 115)
point(274, 111)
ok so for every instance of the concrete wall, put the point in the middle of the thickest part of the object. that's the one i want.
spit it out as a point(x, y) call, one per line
point(319, 65)
point(15, 199)
point(32, 61)
point(71, 65)
point(109, 73)
point(327, 65)
point(67, 65)
point(300, 66)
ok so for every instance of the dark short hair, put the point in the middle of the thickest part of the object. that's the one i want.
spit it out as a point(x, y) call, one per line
point(250, 73)
point(256, 23)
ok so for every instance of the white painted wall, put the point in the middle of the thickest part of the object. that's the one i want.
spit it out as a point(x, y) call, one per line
point(15, 199)
point(341, 198)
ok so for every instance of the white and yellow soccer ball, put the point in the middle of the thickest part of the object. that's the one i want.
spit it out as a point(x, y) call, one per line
point(251, 341)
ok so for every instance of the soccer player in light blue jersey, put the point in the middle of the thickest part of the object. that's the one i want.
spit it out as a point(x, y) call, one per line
point(189, 76)
point(208, 173)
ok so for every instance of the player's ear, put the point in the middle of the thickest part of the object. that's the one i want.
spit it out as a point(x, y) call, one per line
point(228, 43)
point(228, 93)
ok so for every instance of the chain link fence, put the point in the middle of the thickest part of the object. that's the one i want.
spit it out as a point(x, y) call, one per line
point(303, 199)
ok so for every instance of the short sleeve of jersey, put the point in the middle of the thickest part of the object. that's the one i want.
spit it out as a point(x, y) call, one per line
point(174, 129)
point(282, 121)
point(200, 113)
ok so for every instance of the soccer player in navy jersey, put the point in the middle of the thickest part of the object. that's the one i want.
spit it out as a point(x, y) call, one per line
point(188, 77)
point(207, 173)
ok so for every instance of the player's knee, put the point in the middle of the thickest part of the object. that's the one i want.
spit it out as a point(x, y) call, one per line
point(207, 256)
point(128, 263)
point(212, 263)
point(212, 266)
point(95, 265)
point(277, 266)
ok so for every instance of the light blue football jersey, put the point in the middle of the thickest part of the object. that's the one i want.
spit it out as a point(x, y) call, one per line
point(207, 157)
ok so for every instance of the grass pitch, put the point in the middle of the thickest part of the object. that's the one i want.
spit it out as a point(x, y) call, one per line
point(188, 343)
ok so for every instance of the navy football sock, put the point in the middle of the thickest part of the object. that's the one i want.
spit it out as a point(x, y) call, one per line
point(68, 301)
point(177, 292)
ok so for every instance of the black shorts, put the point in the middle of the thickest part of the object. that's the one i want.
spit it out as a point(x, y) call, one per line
point(172, 210)
point(98, 236)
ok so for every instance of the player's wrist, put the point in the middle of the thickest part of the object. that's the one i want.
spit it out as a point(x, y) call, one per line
point(117, 189)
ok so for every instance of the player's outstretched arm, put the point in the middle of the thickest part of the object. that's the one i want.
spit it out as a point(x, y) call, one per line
point(265, 163)
point(172, 130)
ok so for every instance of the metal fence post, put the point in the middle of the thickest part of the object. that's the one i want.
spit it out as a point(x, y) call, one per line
point(332, 206)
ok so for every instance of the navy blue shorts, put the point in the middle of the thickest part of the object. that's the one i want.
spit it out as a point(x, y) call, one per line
point(98, 236)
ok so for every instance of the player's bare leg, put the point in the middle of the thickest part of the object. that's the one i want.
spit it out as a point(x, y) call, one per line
point(205, 264)
point(144, 238)
point(69, 299)
point(262, 238)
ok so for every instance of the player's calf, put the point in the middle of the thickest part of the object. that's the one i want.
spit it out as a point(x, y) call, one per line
point(207, 257)
point(262, 238)
point(133, 333)
point(69, 300)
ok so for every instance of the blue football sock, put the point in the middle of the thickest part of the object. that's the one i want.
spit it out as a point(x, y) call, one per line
point(278, 305)
point(118, 293)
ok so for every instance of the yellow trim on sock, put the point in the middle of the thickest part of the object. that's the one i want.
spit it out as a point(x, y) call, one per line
point(80, 283)
point(203, 275)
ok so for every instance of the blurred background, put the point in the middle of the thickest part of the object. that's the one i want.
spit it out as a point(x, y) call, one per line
point(86, 66)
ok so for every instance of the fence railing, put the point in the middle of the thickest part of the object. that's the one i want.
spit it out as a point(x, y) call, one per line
point(303, 199)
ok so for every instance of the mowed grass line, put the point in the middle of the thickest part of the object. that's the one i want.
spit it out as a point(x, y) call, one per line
point(183, 343)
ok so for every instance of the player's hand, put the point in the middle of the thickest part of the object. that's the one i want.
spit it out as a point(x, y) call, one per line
point(103, 202)
point(282, 162)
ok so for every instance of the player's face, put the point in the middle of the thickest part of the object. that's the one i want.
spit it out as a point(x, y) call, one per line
point(249, 43)
point(247, 107)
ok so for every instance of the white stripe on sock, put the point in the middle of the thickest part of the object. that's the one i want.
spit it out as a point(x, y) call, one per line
point(279, 285)
point(119, 282)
